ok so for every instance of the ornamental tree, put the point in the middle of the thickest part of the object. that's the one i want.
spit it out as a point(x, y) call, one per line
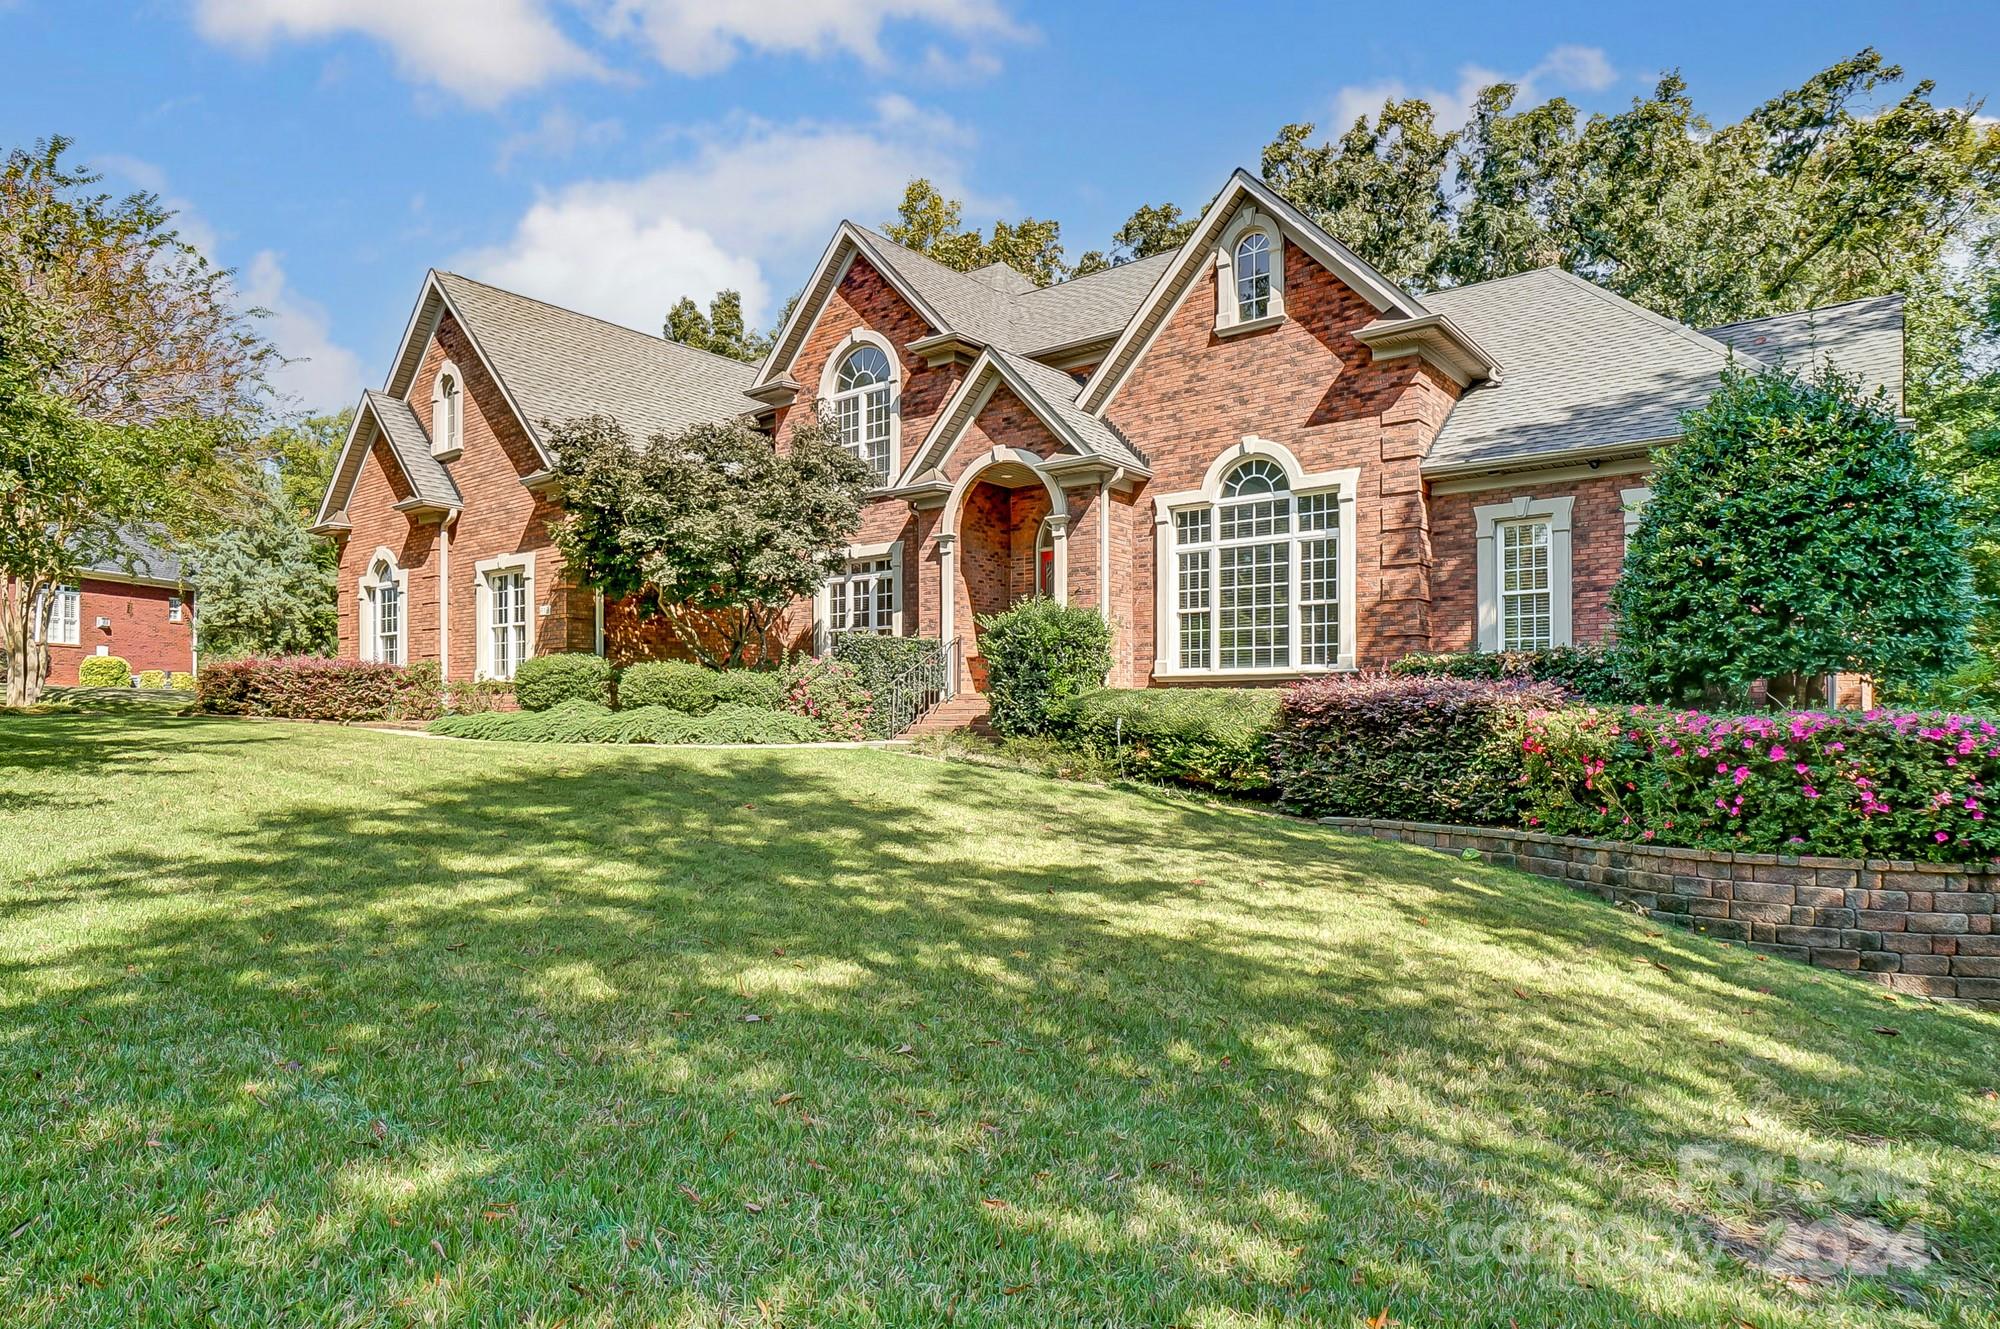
point(715, 530)
point(1792, 533)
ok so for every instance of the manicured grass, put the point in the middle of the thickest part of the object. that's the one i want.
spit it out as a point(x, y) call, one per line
point(305, 1025)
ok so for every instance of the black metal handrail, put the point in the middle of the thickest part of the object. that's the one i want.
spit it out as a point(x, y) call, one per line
point(902, 701)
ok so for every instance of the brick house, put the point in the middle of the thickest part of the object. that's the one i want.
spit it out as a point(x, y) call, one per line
point(1256, 455)
point(136, 606)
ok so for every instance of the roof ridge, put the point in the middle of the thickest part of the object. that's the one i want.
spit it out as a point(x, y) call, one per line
point(1810, 309)
point(1068, 282)
point(593, 318)
point(1495, 281)
point(1694, 336)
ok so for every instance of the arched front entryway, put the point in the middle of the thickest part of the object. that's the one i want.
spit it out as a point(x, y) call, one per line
point(1003, 537)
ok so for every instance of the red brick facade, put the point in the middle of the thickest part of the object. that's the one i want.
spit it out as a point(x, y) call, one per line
point(138, 627)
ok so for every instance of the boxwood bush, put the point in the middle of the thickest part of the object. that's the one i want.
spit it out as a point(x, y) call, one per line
point(1211, 738)
point(543, 681)
point(1593, 673)
point(682, 685)
point(1415, 749)
point(578, 721)
point(104, 671)
point(1040, 653)
point(153, 679)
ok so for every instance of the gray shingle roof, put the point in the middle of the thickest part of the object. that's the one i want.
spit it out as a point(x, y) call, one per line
point(1099, 305)
point(1583, 369)
point(412, 446)
point(558, 364)
point(1057, 392)
point(141, 555)
point(1861, 337)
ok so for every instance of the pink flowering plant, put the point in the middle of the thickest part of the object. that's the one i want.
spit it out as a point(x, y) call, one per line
point(829, 692)
point(1880, 784)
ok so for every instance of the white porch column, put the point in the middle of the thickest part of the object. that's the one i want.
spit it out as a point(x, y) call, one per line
point(947, 543)
point(1059, 540)
point(444, 597)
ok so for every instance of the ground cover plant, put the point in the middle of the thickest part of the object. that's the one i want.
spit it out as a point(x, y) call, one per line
point(587, 722)
point(305, 1024)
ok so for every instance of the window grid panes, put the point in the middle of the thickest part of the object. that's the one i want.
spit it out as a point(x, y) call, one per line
point(508, 592)
point(388, 617)
point(1527, 621)
point(173, 609)
point(1257, 576)
point(864, 598)
point(862, 408)
point(65, 623)
point(1253, 276)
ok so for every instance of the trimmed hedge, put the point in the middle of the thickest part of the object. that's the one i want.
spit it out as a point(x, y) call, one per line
point(312, 688)
point(1414, 749)
point(879, 661)
point(1879, 785)
point(681, 685)
point(543, 681)
point(104, 671)
point(180, 682)
point(1594, 673)
point(578, 721)
point(1211, 738)
point(1040, 653)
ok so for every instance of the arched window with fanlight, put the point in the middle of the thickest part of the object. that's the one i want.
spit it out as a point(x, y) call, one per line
point(863, 403)
point(448, 413)
point(1253, 277)
point(1256, 573)
point(1250, 274)
point(383, 628)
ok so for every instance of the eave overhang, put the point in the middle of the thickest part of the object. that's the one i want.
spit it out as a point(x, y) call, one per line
point(1437, 341)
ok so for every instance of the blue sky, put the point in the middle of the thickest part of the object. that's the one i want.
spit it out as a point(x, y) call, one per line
point(613, 155)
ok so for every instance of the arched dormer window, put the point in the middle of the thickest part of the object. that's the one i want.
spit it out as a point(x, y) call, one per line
point(1250, 274)
point(383, 626)
point(448, 413)
point(861, 393)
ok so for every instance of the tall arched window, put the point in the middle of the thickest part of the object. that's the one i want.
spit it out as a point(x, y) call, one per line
point(1257, 574)
point(1253, 277)
point(448, 412)
point(864, 408)
point(382, 607)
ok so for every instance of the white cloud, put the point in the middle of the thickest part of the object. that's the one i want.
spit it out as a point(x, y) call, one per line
point(319, 374)
point(559, 133)
point(1566, 68)
point(746, 199)
point(481, 50)
point(703, 36)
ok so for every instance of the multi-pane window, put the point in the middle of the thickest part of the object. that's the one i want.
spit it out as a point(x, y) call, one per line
point(863, 599)
point(1527, 620)
point(1253, 276)
point(507, 596)
point(862, 405)
point(447, 412)
point(65, 610)
point(173, 609)
point(1257, 575)
point(386, 603)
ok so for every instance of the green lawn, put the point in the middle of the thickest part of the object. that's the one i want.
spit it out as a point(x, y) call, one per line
point(303, 1025)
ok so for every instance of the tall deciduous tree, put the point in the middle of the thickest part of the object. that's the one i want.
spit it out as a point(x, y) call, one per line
point(130, 380)
point(1792, 533)
point(1151, 229)
point(721, 330)
point(715, 530)
point(934, 225)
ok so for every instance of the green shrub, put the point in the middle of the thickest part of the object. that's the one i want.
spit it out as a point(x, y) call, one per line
point(1212, 738)
point(1879, 785)
point(181, 682)
point(544, 681)
point(1594, 673)
point(1037, 654)
point(880, 661)
point(578, 721)
point(104, 671)
point(829, 693)
point(466, 696)
point(678, 685)
point(152, 679)
point(759, 689)
point(419, 692)
point(1414, 749)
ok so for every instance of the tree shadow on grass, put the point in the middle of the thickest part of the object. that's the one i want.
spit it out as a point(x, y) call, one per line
point(1058, 1055)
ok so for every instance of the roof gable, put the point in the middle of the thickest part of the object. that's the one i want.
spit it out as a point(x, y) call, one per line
point(1048, 393)
point(391, 419)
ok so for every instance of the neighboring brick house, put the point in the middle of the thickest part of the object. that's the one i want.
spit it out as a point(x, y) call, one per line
point(1256, 455)
point(136, 606)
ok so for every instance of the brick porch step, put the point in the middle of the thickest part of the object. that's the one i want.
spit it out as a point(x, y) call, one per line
point(963, 713)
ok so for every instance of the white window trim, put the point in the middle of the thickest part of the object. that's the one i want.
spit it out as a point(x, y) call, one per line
point(1166, 611)
point(823, 598)
point(482, 608)
point(173, 609)
point(70, 593)
point(442, 447)
point(1227, 319)
point(829, 380)
point(1487, 519)
point(1634, 502)
point(371, 621)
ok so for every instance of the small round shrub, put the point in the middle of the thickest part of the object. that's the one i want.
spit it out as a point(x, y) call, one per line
point(181, 682)
point(678, 685)
point(104, 671)
point(544, 681)
point(154, 679)
point(1037, 654)
point(762, 689)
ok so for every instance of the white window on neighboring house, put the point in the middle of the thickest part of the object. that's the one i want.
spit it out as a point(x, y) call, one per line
point(1253, 277)
point(1257, 576)
point(507, 593)
point(383, 613)
point(64, 607)
point(864, 408)
point(864, 597)
point(173, 609)
point(1526, 588)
